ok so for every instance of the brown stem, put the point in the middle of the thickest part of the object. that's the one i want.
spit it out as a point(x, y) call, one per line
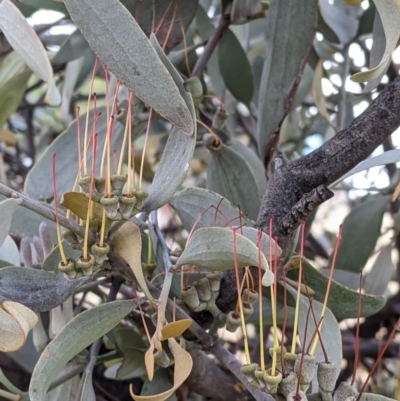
point(212, 42)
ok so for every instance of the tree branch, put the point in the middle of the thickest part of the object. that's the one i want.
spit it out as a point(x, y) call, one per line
point(328, 163)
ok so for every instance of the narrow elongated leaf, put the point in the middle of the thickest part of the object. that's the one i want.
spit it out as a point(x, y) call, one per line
point(213, 248)
point(290, 31)
point(389, 11)
point(197, 207)
point(238, 80)
point(261, 240)
point(377, 280)
point(343, 302)
point(391, 156)
point(7, 210)
point(129, 55)
point(11, 94)
point(230, 175)
point(128, 243)
point(26, 43)
point(72, 49)
point(182, 368)
point(15, 322)
point(80, 332)
point(36, 289)
point(38, 182)
point(177, 153)
point(361, 229)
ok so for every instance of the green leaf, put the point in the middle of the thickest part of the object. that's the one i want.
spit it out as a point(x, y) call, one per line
point(348, 279)
point(11, 94)
point(7, 210)
point(28, 7)
point(38, 182)
point(53, 259)
point(377, 280)
point(80, 332)
point(239, 80)
point(213, 249)
point(72, 49)
point(193, 206)
point(337, 17)
point(361, 229)
point(9, 253)
point(24, 40)
point(343, 302)
point(178, 150)
point(36, 289)
point(389, 12)
point(231, 175)
point(161, 382)
point(129, 55)
point(291, 28)
point(391, 156)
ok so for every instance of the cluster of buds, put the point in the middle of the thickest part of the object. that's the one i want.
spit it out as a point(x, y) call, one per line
point(117, 205)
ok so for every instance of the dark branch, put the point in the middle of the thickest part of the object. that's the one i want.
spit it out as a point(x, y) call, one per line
point(334, 158)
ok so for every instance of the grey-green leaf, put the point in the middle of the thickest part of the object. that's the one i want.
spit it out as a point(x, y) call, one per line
point(361, 229)
point(36, 289)
point(213, 248)
point(7, 210)
point(80, 332)
point(342, 301)
point(377, 280)
point(197, 207)
point(231, 175)
point(38, 182)
point(178, 150)
point(239, 80)
point(391, 156)
point(290, 31)
point(129, 55)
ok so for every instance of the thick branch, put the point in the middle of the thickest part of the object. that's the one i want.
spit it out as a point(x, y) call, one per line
point(328, 163)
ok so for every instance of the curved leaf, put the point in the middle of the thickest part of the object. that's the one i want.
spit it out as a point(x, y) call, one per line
point(182, 368)
point(9, 252)
point(291, 27)
point(343, 302)
point(128, 54)
point(361, 229)
point(77, 203)
point(36, 289)
point(203, 208)
point(389, 11)
point(238, 80)
point(230, 175)
point(213, 249)
point(26, 43)
point(15, 322)
point(128, 243)
point(80, 332)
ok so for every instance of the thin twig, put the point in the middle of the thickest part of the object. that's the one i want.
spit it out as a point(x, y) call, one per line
point(212, 42)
